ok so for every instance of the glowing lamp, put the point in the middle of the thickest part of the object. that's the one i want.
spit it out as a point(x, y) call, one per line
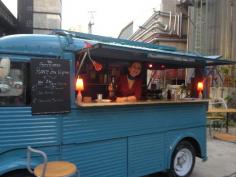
point(150, 65)
point(200, 86)
point(79, 88)
point(200, 89)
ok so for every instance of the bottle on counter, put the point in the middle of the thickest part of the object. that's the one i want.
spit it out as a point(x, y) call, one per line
point(105, 79)
point(112, 88)
point(168, 94)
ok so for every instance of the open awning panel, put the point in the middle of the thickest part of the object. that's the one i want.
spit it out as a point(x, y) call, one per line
point(171, 59)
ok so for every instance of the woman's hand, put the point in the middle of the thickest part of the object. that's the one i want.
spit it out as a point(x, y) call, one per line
point(121, 99)
point(131, 99)
point(126, 99)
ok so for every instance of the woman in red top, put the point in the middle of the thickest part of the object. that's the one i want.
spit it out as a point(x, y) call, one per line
point(130, 86)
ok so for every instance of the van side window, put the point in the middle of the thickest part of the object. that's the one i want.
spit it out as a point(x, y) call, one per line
point(12, 83)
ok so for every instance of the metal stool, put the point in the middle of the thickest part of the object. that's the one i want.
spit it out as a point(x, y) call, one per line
point(215, 123)
point(50, 169)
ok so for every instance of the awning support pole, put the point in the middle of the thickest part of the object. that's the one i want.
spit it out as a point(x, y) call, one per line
point(81, 64)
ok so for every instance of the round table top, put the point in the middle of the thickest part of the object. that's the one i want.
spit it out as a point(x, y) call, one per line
point(223, 110)
point(56, 169)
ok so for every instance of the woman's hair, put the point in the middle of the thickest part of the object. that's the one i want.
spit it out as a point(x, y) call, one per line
point(131, 63)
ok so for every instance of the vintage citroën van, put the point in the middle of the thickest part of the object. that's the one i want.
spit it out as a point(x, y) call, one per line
point(41, 107)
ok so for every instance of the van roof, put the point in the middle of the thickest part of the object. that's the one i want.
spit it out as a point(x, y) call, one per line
point(62, 41)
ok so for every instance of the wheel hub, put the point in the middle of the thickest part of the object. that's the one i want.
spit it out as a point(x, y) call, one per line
point(183, 162)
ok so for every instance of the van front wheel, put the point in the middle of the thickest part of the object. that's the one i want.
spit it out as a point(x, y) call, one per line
point(183, 160)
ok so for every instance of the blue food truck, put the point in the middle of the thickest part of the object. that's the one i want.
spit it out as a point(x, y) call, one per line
point(40, 108)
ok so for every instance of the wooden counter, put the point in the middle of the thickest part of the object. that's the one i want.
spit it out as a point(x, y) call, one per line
point(147, 102)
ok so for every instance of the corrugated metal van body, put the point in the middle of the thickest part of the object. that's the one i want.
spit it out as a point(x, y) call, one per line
point(129, 141)
point(19, 128)
point(104, 141)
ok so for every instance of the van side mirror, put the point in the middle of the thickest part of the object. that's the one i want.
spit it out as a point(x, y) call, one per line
point(5, 64)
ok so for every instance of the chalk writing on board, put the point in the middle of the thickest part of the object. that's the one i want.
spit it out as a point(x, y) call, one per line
point(50, 86)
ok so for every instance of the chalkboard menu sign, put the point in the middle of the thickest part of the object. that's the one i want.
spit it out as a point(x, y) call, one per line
point(50, 81)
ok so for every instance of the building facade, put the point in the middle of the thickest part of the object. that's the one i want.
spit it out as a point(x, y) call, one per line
point(213, 27)
point(8, 22)
point(213, 32)
point(39, 16)
point(127, 31)
point(167, 26)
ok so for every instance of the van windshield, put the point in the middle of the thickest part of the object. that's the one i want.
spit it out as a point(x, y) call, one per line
point(12, 84)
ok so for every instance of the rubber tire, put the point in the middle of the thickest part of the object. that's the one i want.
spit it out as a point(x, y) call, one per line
point(182, 145)
point(18, 173)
